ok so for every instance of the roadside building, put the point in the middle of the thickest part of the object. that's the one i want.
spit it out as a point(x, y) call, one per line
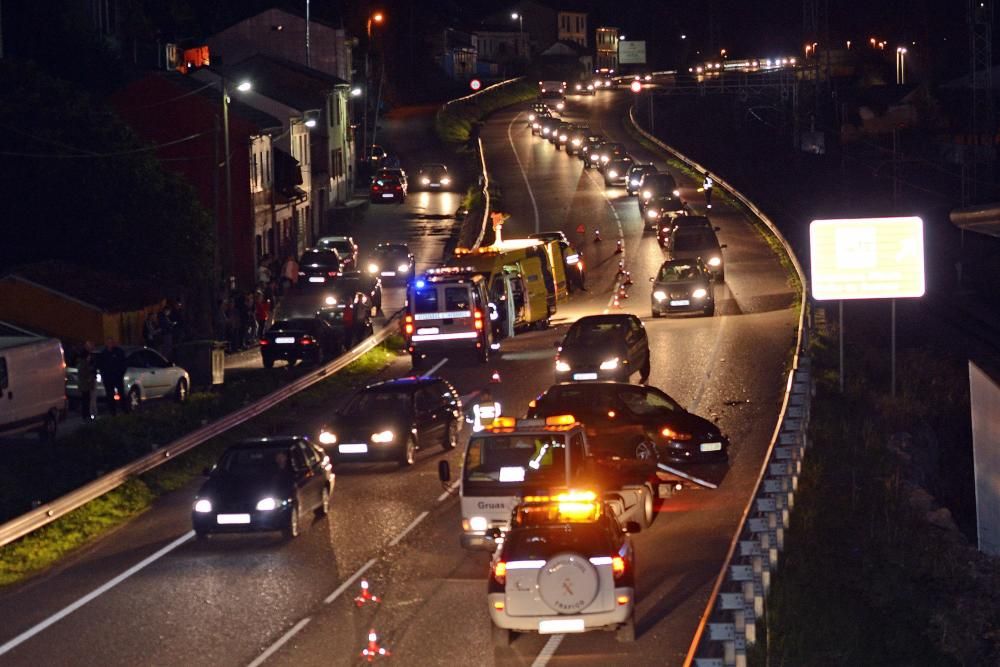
point(606, 43)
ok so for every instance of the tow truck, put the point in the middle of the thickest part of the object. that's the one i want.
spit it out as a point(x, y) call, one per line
point(514, 458)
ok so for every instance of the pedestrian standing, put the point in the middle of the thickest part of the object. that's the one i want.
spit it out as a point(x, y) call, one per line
point(362, 316)
point(263, 272)
point(289, 273)
point(249, 323)
point(348, 320)
point(707, 186)
point(151, 330)
point(179, 320)
point(166, 324)
point(86, 374)
point(262, 313)
point(112, 365)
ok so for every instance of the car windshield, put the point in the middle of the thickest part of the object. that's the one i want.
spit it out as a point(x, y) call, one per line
point(390, 251)
point(694, 239)
point(388, 180)
point(516, 458)
point(590, 332)
point(297, 324)
point(647, 403)
point(325, 257)
point(252, 460)
point(543, 542)
point(342, 247)
point(677, 272)
point(367, 403)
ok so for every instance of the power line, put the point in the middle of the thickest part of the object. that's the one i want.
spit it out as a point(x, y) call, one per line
point(135, 151)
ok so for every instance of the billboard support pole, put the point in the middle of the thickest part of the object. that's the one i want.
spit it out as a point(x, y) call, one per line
point(893, 391)
point(840, 336)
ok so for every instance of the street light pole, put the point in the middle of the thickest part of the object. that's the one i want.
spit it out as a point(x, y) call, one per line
point(365, 148)
point(308, 64)
point(227, 251)
point(520, 25)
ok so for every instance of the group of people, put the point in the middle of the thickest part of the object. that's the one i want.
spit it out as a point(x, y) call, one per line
point(163, 328)
point(243, 317)
point(111, 364)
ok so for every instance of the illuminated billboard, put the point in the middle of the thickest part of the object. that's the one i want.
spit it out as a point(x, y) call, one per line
point(867, 258)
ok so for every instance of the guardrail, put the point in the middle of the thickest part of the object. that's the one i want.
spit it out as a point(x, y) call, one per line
point(44, 514)
point(729, 623)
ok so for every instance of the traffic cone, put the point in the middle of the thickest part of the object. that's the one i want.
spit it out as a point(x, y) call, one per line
point(616, 303)
point(622, 292)
point(628, 278)
point(495, 378)
point(597, 236)
point(618, 247)
point(373, 650)
point(366, 595)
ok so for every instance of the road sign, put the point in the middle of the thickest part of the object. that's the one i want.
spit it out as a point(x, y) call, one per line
point(636, 86)
point(867, 258)
point(475, 84)
point(631, 52)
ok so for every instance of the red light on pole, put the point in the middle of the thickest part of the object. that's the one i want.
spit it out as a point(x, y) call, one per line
point(475, 84)
point(636, 86)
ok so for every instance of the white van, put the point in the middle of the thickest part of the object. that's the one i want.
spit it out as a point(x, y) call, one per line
point(32, 385)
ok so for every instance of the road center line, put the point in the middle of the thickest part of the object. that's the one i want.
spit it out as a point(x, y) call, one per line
point(413, 524)
point(524, 174)
point(354, 577)
point(548, 651)
point(281, 642)
point(447, 492)
point(435, 367)
point(97, 592)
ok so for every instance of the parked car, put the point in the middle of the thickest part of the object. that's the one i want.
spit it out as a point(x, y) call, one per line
point(346, 249)
point(682, 285)
point(386, 188)
point(148, 376)
point(393, 172)
point(32, 385)
point(264, 484)
point(604, 347)
point(319, 265)
point(389, 421)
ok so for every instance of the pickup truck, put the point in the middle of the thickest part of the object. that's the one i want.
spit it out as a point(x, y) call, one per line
point(515, 458)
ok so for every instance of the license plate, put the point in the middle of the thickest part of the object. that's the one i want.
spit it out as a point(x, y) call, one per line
point(428, 330)
point(711, 446)
point(352, 448)
point(388, 195)
point(584, 376)
point(284, 340)
point(680, 302)
point(435, 185)
point(560, 625)
point(317, 279)
point(388, 273)
point(230, 519)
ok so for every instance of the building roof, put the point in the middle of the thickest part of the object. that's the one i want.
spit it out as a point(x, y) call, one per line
point(107, 292)
point(565, 47)
point(292, 84)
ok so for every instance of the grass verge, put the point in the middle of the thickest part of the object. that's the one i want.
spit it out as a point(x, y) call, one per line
point(47, 545)
point(453, 122)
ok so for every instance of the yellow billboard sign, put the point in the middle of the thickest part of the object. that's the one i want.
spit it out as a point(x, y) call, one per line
point(867, 258)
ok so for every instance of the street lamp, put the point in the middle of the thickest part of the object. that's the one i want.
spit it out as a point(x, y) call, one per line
point(517, 16)
point(900, 65)
point(242, 86)
point(377, 18)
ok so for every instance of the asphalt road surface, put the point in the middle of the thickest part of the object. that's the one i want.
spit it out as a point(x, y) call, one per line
point(241, 600)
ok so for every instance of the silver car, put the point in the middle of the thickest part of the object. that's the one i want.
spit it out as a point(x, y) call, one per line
point(147, 376)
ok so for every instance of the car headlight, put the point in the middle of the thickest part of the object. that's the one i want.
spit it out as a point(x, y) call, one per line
point(99, 379)
point(327, 438)
point(445, 181)
point(425, 181)
point(715, 261)
point(402, 268)
point(610, 364)
point(383, 436)
point(560, 106)
point(373, 268)
point(700, 293)
point(652, 214)
point(203, 506)
point(531, 116)
point(576, 142)
point(590, 86)
point(677, 193)
point(267, 504)
point(330, 301)
point(562, 366)
point(605, 158)
point(612, 174)
point(478, 523)
point(646, 194)
point(660, 295)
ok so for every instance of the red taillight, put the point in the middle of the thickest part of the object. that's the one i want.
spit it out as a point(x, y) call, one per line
point(307, 340)
point(376, 188)
point(500, 572)
point(408, 326)
point(618, 566)
point(331, 273)
point(479, 319)
point(264, 341)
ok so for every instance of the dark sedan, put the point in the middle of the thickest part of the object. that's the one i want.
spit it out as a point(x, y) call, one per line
point(391, 420)
point(661, 214)
point(385, 189)
point(592, 153)
point(319, 265)
point(697, 242)
point(615, 172)
point(634, 421)
point(635, 174)
point(264, 484)
point(549, 125)
point(309, 339)
point(391, 261)
point(577, 138)
point(433, 177)
point(682, 285)
point(604, 347)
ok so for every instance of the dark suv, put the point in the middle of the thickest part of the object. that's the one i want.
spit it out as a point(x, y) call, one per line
point(389, 421)
point(604, 347)
point(656, 186)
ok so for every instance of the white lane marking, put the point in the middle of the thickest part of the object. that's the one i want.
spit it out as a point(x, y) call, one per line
point(281, 642)
point(524, 174)
point(413, 524)
point(435, 367)
point(354, 577)
point(97, 592)
point(621, 236)
point(703, 385)
point(447, 492)
point(548, 651)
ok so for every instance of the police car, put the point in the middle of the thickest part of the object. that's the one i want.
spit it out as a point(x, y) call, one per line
point(566, 565)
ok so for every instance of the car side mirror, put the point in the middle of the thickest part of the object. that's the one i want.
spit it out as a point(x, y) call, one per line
point(632, 527)
point(444, 472)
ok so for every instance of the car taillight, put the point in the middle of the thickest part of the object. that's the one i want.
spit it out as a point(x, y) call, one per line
point(479, 319)
point(331, 273)
point(376, 188)
point(408, 325)
point(307, 340)
point(264, 341)
point(500, 572)
point(618, 566)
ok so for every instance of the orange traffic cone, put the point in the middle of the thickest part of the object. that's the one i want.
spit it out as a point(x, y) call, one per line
point(597, 236)
point(373, 650)
point(622, 293)
point(615, 303)
point(628, 278)
point(618, 247)
point(495, 378)
point(366, 595)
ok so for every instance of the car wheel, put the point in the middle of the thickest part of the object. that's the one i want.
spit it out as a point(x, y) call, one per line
point(656, 313)
point(645, 451)
point(134, 399)
point(181, 391)
point(648, 506)
point(47, 431)
point(268, 362)
point(291, 529)
point(450, 436)
point(502, 638)
point(409, 453)
point(626, 631)
point(324, 504)
point(710, 309)
point(644, 372)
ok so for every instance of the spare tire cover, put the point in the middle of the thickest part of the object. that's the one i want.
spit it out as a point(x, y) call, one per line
point(568, 583)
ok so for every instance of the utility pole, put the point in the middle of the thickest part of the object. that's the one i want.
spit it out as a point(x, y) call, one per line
point(308, 63)
point(981, 46)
